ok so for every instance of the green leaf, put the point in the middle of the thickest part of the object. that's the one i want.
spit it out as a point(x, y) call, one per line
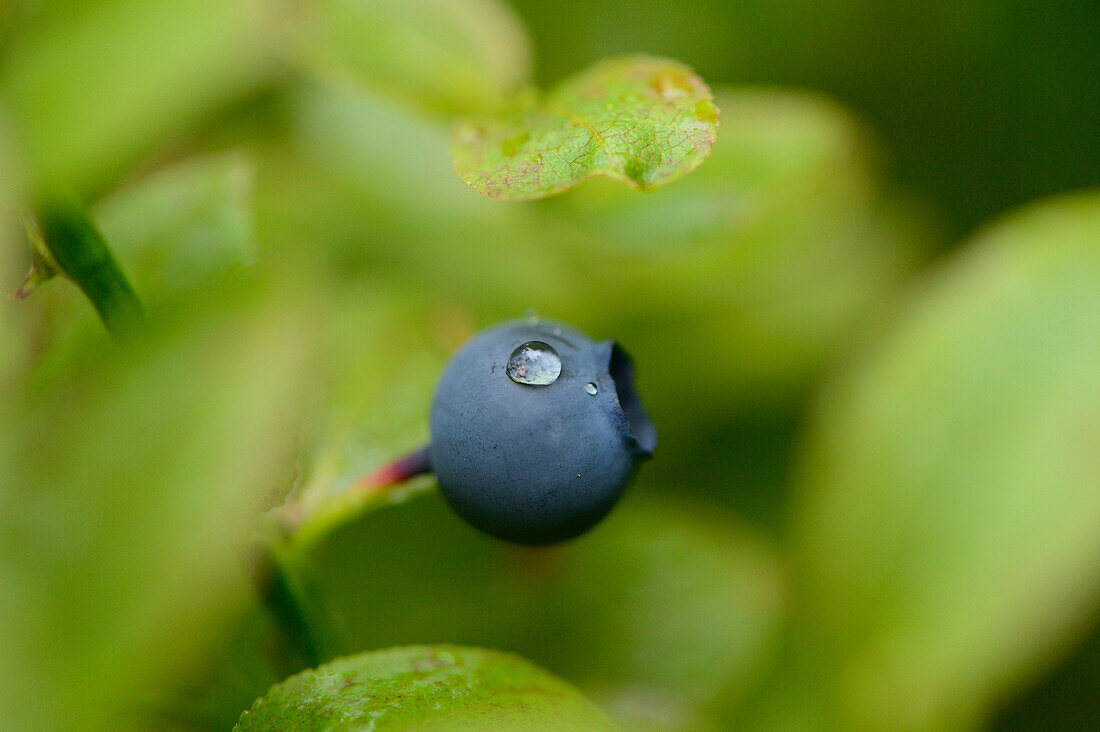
point(948, 520)
point(12, 258)
point(446, 242)
point(82, 254)
point(469, 56)
point(664, 616)
point(179, 228)
point(424, 688)
point(642, 120)
point(132, 476)
point(175, 231)
point(124, 75)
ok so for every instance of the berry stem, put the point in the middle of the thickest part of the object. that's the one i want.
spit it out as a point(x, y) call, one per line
point(415, 463)
point(284, 566)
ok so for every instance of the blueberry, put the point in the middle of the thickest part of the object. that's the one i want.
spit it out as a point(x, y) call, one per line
point(536, 430)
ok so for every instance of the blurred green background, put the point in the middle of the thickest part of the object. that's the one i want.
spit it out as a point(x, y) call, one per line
point(867, 329)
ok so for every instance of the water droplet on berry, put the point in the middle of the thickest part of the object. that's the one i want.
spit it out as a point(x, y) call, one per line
point(535, 363)
point(531, 317)
point(591, 388)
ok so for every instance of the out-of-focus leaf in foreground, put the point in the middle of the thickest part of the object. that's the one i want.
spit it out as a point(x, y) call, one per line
point(380, 351)
point(948, 524)
point(174, 231)
point(10, 262)
point(642, 120)
point(131, 477)
point(424, 688)
point(79, 250)
point(460, 248)
point(182, 226)
point(94, 87)
point(445, 56)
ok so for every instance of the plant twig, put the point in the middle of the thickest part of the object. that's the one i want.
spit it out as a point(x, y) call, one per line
point(297, 528)
point(281, 589)
point(415, 463)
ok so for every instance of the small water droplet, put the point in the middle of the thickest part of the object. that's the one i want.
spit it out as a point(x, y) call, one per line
point(531, 317)
point(557, 331)
point(591, 388)
point(535, 363)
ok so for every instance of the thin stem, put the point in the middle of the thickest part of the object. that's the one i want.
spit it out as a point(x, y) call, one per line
point(414, 464)
point(307, 521)
point(82, 254)
point(281, 590)
point(286, 565)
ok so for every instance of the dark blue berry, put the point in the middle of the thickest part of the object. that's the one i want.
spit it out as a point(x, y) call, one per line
point(535, 431)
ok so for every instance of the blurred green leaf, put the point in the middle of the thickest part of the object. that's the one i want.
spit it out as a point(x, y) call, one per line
point(642, 120)
point(176, 232)
point(376, 378)
point(424, 688)
point(95, 86)
point(250, 656)
point(440, 55)
point(379, 352)
point(949, 510)
point(131, 479)
point(662, 614)
point(12, 258)
point(422, 227)
point(182, 226)
point(665, 616)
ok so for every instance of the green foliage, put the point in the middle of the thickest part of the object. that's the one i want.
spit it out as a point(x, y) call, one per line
point(78, 250)
point(792, 226)
point(950, 503)
point(135, 470)
point(641, 120)
point(424, 688)
point(277, 184)
point(369, 418)
point(124, 75)
point(626, 613)
point(442, 56)
point(986, 106)
point(183, 225)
